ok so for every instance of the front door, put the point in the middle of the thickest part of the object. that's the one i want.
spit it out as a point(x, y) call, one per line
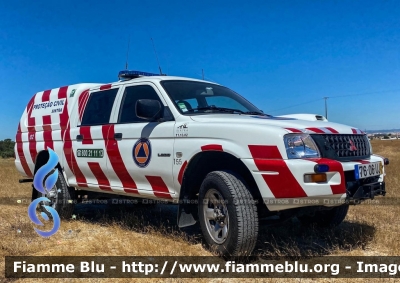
point(141, 152)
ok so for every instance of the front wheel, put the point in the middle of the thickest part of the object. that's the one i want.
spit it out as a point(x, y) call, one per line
point(326, 218)
point(227, 215)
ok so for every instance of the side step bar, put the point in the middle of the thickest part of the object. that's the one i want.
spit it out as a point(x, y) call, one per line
point(25, 180)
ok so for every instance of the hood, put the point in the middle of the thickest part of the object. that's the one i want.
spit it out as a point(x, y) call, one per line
point(308, 117)
point(290, 124)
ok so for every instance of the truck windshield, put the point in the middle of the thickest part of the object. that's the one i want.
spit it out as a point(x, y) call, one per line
point(191, 98)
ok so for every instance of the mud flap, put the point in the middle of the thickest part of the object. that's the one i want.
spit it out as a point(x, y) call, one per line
point(185, 216)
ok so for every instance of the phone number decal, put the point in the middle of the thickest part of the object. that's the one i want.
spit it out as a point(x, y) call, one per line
point(91, 153)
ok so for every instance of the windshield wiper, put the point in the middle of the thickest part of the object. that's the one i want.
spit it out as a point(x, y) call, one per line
point(211, 107)
point(231, 110)
point(256, 113)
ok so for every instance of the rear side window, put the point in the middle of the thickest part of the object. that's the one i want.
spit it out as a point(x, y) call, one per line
point(127, 112)
point(99, 107)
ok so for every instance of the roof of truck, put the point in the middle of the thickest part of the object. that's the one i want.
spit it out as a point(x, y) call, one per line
point(164, 78)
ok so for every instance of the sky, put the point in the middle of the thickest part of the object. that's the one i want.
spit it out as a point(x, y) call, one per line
point(284, 56)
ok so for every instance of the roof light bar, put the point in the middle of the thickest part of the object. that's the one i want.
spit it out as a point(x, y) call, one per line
point(126, 74)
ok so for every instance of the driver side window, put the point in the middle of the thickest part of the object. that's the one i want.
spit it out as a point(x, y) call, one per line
point(127, 112)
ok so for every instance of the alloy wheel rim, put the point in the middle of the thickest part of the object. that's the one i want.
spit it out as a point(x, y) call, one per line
point(216, 216)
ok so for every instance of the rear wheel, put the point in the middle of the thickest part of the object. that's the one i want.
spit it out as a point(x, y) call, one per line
point(326, 218)
point(62, 198)
point(227, 215)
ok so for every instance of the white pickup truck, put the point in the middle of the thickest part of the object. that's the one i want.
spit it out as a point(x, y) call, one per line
point(202, 146)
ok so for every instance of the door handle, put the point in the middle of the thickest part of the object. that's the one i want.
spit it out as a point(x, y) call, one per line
point(79, 138)
point(118, 136)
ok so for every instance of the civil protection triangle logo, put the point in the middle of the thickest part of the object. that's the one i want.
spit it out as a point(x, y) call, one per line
point(141, 152)
point(49, 182)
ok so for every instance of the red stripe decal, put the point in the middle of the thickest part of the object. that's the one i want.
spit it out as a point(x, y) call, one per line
point(32, 146)
point(73, 165)
point(101, 178)
point(62, 92)
point(46, 95)
point(160, 189)
point(83, 98)
point(64, 116)
point(31, 120)
point(332, 130)
point(316, 130)
point(294, 130)
point(87, 136)
point(104, 87)
point(48, 140)
point(334, 166)
point(46, 119)
point(215, 147)
point(116, 161)
point(265, 151)
point(84, 103)
point(46, 122)
point(354, 131)
point(71, 160)
point(181, 171)
point(66, 136)
point(31, 130)
point(20, 152)
point(283, 185)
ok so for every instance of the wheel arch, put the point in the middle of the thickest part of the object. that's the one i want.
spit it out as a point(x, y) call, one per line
point(197, 169)
point(42, 158)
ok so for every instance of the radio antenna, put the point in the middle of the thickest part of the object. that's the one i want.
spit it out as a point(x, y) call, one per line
point(155, 52)
point(127, 53)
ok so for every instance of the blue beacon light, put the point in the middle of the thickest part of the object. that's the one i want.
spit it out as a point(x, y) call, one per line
point(126, 74)
point(321, 168)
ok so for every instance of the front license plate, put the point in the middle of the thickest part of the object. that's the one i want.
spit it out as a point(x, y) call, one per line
point(367, 170)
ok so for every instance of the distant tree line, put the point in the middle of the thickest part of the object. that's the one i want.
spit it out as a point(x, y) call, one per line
point(7, 148)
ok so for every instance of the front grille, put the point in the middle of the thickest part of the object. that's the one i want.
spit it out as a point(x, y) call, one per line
point(343, 147)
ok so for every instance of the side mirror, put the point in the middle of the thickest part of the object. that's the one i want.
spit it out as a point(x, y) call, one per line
point(149, 109)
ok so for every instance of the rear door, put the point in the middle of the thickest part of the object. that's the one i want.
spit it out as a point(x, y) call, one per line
point(141, 152)
point(89, 140)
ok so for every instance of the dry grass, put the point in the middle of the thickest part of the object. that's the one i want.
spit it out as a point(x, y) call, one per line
point(151, 230)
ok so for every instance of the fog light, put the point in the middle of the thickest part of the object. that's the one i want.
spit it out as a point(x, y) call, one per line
point(321, 168)
point(315, 178)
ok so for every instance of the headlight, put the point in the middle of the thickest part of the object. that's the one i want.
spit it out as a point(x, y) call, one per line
point(300, 146)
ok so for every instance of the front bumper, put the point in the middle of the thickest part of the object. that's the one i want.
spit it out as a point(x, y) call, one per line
point(283, 180)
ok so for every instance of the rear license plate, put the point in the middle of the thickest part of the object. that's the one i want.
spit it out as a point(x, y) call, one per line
point(367, 170)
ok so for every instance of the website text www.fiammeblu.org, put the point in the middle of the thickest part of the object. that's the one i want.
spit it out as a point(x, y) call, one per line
point(199, 267)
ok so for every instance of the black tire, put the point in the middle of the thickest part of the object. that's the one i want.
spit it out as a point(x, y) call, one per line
point(62, 198)
point(326, 218)
point(234, 212)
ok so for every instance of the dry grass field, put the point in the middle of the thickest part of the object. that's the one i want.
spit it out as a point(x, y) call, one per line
point(151, 229)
